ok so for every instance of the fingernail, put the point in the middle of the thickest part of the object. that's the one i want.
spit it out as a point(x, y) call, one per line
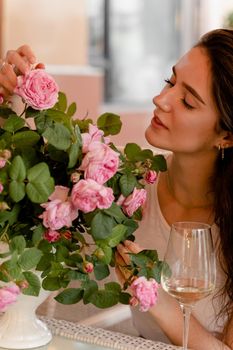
point(32, 59)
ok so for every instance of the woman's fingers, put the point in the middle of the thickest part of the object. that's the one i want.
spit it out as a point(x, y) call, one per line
point(16, 62)
point(21, 59)
point(40, 66)
point(122, 270)
point(133, 247)
point(8, 79)
point(120, 276)
point(124, 252)
point(27, 52)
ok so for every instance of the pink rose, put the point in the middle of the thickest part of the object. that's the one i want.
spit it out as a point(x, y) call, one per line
point(59, 211)
point(60, 192)
point(8, 295)
point(75, 177)
point(51, 236)
point(6, 154)
point(100, 163)
point(134, 201)
point(2, 163)
point(38, 89)
point(145, 291)
point(1, 188)
point(93, 135)
point(151, 176)
point(88, 267)
point(23, 284)
point(87, 195)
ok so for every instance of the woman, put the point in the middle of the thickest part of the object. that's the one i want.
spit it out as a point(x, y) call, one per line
point(16, 62)
point(193, 118)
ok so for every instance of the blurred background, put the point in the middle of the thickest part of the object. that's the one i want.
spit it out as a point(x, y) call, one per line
point(111, 55)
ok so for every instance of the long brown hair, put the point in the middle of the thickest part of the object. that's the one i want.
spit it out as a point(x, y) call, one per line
point(219, 47)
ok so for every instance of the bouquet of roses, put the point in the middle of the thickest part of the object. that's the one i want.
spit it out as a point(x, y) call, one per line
point(68, 197)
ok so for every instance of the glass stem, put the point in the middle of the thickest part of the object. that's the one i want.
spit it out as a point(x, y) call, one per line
point(186, 309)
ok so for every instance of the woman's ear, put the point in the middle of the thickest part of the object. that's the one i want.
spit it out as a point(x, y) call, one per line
point(225, 140)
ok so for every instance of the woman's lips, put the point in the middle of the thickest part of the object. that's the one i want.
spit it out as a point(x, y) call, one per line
point(156, 122)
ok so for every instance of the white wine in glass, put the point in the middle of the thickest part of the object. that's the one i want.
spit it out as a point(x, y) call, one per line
point(189, 270)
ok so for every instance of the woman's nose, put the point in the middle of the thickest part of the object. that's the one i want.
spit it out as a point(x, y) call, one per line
point(162, 102)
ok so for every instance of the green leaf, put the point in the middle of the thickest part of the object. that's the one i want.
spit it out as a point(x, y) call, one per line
point(73, 275)
point(101, 226)
point(30, 258)
point(131, 226)
point(34, 284)
point(42, 122)
point(58, 136)
point(101, 271)
point(17, 170)
point(116, 212)
point(159, 163)
point(13, 123)
point(45, 262)
point(145, 154)
point(127, 184)
point(61, 253)
point(10, 216)
point(70, 296)
point(37, 234)
point(33, 113)
point(110, 123)
point(17, 243)
point(40, 184)
point(124, 298)
point(62, 102)
point(89, 287)
point(13, 270)
point(16, 191)
point(75, 148)
point(117, 235)
point(51, 283)
point(71, 109)
point(104, 298)
point(132, 150)
point(103, 253)
point(114, 286)
point(143, 259)
point(5, 111)
point(24, 139)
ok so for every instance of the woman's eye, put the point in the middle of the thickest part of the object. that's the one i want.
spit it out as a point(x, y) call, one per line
point(187, 105)
point(168, 81)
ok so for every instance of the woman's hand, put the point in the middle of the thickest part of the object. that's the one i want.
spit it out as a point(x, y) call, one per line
point(14, 63)
point(123, 259)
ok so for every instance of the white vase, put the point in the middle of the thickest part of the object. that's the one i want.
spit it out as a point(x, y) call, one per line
point(20, 327)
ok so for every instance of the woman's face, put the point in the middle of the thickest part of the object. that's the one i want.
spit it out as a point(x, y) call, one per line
point(185, 118)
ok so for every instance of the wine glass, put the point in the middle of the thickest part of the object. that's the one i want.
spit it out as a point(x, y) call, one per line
point(189, 271)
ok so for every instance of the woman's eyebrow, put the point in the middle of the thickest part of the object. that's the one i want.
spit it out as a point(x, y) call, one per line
point(189, 88)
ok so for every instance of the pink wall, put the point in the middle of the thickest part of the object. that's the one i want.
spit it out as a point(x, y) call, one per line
point(84, 89)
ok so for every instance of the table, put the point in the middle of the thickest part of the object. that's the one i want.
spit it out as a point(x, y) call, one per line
point(73, 336)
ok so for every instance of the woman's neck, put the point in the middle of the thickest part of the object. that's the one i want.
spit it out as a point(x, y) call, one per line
point(189, 181)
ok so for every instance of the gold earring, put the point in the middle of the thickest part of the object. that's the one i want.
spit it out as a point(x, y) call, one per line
point(220, 148)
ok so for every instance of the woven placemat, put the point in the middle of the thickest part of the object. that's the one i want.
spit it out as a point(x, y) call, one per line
point(102, 337)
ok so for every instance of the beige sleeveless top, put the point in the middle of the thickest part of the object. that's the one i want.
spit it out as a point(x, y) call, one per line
point(153, 233)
